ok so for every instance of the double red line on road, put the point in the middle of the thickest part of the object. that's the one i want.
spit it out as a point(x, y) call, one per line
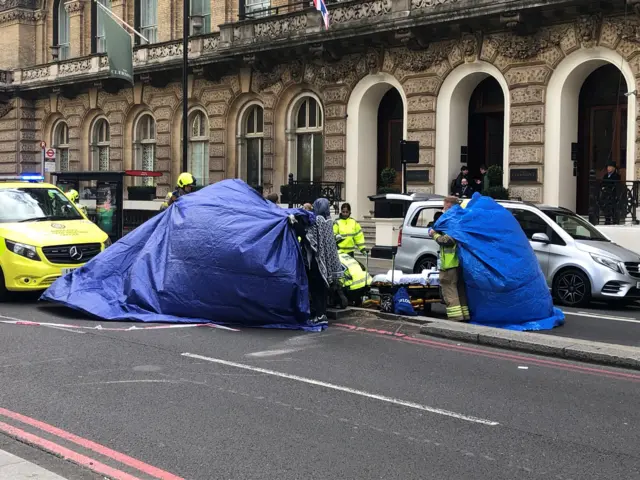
point(77, 457)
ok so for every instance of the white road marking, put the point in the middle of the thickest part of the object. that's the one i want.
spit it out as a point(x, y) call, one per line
point(273, 353)
point(605, 317)
point(353, 391)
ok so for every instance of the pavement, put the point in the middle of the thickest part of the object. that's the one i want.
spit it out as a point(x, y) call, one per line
point(15, 468)
point(374, 401)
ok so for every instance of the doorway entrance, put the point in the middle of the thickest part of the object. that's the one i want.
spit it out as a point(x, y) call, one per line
point(390, 133)
point(485, 138)
point(602, 129)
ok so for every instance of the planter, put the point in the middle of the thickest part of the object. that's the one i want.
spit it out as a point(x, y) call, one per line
point(141, 193)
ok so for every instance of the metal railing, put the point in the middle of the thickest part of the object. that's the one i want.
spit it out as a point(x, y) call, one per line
point(613, 202)
point(298, 192)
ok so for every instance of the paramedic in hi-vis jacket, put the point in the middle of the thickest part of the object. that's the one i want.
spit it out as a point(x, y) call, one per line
point(451, 281)
point(348, 233)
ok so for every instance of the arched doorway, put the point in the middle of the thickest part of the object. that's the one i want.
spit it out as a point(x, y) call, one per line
point(364, 155)
point(564, 184)
point(471, 125)
point(485, 138)
point(602, 129)
point(390, 134)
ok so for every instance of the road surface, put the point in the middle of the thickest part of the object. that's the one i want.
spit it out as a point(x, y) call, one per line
point(206, 403)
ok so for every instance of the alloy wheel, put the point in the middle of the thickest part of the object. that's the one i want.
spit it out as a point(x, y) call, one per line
point(571, 289)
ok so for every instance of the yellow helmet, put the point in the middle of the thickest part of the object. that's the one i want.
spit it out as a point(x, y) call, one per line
point(186, 179)
point(72, 195)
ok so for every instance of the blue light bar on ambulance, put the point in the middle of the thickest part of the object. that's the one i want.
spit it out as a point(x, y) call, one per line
point(31, 177)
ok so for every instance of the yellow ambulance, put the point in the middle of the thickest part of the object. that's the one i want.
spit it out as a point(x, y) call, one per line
point(42, 235)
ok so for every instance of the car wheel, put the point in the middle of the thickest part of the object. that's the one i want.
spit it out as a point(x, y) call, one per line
point(572, 288)
point(4, 293)
point(425, 263)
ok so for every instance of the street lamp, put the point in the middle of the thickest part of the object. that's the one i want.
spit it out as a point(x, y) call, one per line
point(197, 21)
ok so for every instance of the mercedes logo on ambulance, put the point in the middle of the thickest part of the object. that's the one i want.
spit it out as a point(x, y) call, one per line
point(59, 226)
point(75, 253)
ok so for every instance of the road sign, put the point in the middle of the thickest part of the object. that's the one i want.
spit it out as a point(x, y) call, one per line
point(43, 144)
point(50, 154)
point(49, 166)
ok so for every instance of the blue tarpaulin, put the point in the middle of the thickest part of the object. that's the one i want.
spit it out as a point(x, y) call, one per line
point(505, 285)
point(222, 255)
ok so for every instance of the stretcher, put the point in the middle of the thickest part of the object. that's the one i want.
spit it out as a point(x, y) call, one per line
point(423, 290)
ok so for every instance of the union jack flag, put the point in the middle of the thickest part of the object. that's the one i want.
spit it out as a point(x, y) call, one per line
point(322, 8)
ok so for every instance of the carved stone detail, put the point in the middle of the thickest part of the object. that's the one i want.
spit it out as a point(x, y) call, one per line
point(211, 44)
point(165, 51)
point(418, 4)
point(35, 73)
point(265, 80)
point(6, 108)
point(528, 194)
point(587, 28)
point(281, 27)
point(531, 94)
point(530, 46)
point(470, 44)
point(526, 154)
point(75, 67)
point(74, 6)
point(527, 115)
point(340, 71)
point(360, 11)
point(419, 61)
point(17, 15)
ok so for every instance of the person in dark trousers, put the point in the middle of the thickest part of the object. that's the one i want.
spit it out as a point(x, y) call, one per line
point(484, 178)
point(450, 272)
point(320, 255)
point(610, 190)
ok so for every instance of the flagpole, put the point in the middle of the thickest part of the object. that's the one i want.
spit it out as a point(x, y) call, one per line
point(121, 21)
point(185, 85)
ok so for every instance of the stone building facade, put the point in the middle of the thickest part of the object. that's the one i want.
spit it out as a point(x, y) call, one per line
point(514, 85)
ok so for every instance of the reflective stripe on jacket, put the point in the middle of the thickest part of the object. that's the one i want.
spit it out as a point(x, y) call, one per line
point(448, 253)
point(168, 200)
point(355, 276)
point(351, 233)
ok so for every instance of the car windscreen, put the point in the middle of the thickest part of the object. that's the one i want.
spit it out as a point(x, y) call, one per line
point(35, 204)
point(576, 226)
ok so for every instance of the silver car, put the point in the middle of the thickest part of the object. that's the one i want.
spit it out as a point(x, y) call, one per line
point(579, 262)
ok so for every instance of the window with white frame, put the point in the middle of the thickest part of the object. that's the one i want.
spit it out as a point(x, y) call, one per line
point(101, 46)
point(202, 8)
point(64, 27)
point(60, 142)
point(253, 137)
point(256, 8)
point(199, 147)
point(144, 146)
point(149, 20)
point(100, 140)
point(309, 141)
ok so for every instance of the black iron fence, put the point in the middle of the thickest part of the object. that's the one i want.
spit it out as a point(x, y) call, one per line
point(613, 202)
point(298, 192)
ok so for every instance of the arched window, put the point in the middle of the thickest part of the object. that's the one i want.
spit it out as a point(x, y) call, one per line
point(146, 20)
point(252, 139)
point(202, 8)
point(61, 27)
point(60, 142)
point(144, 146)
point(199, 147)
point(309, 148)
point(98, 44)
point(100, 140)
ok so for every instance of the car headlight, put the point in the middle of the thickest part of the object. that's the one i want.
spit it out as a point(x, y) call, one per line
point(27, 251)
point(608, 262)
point(107, 243)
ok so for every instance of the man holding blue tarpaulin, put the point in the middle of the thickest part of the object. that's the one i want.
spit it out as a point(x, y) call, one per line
point(451, 280)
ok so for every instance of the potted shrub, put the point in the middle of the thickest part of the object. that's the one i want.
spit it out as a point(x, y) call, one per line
point(142, 193)
point(496, 190)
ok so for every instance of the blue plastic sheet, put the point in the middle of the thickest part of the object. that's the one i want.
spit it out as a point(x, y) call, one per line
point(505, 285)
point(222, 255)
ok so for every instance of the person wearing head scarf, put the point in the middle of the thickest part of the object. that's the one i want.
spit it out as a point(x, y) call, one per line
point(321, 259)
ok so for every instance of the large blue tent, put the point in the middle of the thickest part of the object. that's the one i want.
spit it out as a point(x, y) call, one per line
point(223, 255)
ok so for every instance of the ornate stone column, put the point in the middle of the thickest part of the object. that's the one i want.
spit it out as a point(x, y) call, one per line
point(77, 34)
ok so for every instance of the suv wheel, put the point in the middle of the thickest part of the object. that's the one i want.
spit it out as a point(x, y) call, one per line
point(572, 288)
point(425, 263)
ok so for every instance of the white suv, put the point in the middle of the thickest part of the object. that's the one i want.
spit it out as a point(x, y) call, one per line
point(578, 261)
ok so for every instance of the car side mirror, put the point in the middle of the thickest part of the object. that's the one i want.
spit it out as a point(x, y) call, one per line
point(540, 237)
